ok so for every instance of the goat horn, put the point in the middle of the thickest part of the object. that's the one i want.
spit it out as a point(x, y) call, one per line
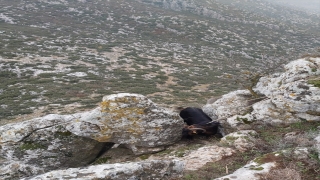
point(194, 129)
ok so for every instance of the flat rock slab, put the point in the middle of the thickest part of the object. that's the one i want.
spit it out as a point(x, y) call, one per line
point(148, 170)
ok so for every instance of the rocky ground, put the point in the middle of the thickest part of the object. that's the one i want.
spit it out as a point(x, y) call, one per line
point(275, 136)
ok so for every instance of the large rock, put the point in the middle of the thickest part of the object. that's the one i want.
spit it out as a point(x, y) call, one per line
point(61, 141)
point(291, 96)
point(200, 157)
point(252, 171)
point(241, 140)
point(230, 104)
point(152, 170)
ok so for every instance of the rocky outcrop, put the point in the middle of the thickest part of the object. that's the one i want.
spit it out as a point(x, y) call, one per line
point(241, 140)
point(291, 95)
point(198, 158)
point(148, 170)
point(233, 103)
point(63, 141)
point(287, 97)
point(55, 142)
point(254, 169)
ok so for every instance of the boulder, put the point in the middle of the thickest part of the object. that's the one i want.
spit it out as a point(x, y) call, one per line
point(251, 171)
point(241, 140)
point(255, 169)
point(292, 96)
point(198, 158)
point(287, 97)
point(63, 141)
point(230, 104)
point(149, 170)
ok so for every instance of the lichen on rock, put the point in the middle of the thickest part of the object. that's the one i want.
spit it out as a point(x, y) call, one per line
point(64, 141)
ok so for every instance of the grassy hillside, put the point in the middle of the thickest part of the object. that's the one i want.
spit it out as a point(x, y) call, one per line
point(62, 55)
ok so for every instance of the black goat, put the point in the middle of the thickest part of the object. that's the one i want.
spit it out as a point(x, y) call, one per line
point(191, 115)
point(198, 122)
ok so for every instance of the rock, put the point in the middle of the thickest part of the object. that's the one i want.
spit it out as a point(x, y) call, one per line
point(62, 141)
point(136, 121)
point(228, 105)
point(301, 153)
point(251, 171)
point(268, 112)
point(240, 122)
point(298, 138)
point(317, 145)
point(44, 144)
point(291, 95)
point(255, 169)
point(241, 140)
point(198, 158)
point(155, 169)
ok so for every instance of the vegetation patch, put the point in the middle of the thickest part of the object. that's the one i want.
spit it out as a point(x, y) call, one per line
point(31, 146)
point(315, 82)
point(102, 160)
point(244, 120)
point(144, 157)
point(257, 168)
point(63, 134)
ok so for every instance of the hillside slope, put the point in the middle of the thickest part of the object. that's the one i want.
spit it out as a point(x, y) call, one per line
point(58, 55)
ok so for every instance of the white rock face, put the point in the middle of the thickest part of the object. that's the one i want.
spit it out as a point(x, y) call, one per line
point(230, 104)
point(64, 141)
point(249, 171)
point(198, 158)
point(135, 170)
point(317, 145)
point(290, 97)
point(241, 140)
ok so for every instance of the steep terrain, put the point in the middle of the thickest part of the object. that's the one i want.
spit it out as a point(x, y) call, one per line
point(61, 54)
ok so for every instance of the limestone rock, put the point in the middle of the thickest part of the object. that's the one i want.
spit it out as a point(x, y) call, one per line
point(62, 141)
point(255, 169)
point(291, 96)
point(43, 144)
point(239, 121)
point(317, 145)
point(135, 120)
point(251, 171)
point(230, 104)
point(198, 158)
point(267, 111)
point(241, 140)
point(290, 93)
point(151, 170)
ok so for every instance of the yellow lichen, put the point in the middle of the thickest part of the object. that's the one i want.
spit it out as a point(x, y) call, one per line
point(105, 138)
point(158, 128)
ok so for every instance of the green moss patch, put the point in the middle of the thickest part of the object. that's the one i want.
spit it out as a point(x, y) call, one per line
point(257, 168)
point(102, 160)
point(31, 146)
point(315, 82)
point(271, 157)
point(144, 157)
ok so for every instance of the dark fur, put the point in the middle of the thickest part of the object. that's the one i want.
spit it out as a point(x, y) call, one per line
point(196, 118)
point(193, 115)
